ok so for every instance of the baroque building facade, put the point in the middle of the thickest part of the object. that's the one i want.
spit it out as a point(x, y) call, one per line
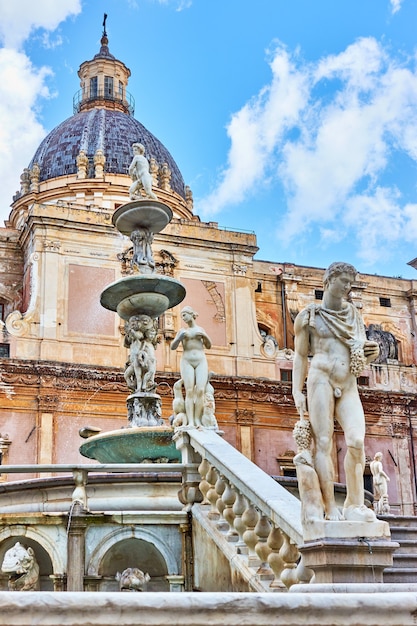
point(62, 354)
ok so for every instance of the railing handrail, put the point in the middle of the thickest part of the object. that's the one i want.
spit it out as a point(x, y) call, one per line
point(93, 467)
point(89, 95)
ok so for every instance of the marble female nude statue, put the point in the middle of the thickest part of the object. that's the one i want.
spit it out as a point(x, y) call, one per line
point(380, 483)
point(193, 367)
point(334, 334)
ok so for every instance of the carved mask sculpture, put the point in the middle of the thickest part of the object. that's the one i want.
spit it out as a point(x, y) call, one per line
point(132, 579)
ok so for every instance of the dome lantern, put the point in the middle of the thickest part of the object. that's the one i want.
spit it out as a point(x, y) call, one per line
point(103, 82)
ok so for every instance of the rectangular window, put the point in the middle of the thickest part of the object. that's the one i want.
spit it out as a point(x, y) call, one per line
point(318, 294)
point(2, 311)
point(289, 473)
point(385, 302)
point(363, 381)
point(286, 375)
point(93, 87)
point(108, 86)
point(120, 89)
point(4, 350)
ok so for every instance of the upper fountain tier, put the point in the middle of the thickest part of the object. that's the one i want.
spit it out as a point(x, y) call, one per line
point(143, 293)
point(149, 214)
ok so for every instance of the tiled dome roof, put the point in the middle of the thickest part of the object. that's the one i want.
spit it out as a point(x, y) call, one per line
point(105, 129)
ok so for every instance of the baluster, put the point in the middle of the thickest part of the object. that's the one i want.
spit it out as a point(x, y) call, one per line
point(212, 496)
point(220, 486)
point(250, 519)
point(204, 485)
point(289, 554)
point(262, 529)
point(275, 562)
point(80, 492)
point(239, 508)
point(304, 574)
point(229, 497)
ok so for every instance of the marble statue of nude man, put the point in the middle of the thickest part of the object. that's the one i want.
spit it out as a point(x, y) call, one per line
point(193, 367)
point(140, 175)
point(334, 334)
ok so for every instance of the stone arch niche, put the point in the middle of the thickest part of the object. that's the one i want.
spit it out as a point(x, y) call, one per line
point(133, 553)
point(42, 557)
point(139, 548)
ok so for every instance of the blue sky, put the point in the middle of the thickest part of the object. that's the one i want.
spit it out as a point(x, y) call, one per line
point(296, 119)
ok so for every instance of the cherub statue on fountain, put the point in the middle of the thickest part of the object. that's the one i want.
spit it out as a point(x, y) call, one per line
point(140, 175)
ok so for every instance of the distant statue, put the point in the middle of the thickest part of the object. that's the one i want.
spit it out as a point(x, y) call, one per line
point(141, 339)
point(165, 177)
point(334, 334)
point(99, 163)
point(132, 579)
point(194, 368)
point(140, 175)
point(82, 165)
point(35, 173)
point(23, 569)
point(142, 259)
point(25, 181)
point(380, 482)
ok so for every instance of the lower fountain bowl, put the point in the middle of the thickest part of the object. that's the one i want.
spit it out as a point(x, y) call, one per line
point(132, 445)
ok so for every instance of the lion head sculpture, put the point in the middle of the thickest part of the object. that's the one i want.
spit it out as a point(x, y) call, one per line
point(21, 565)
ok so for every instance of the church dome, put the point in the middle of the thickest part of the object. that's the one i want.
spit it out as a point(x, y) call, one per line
point(109, 130)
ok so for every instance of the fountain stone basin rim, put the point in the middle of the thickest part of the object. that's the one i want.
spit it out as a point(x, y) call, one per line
point(149, 214)
point(132, 445)
point(149, 294)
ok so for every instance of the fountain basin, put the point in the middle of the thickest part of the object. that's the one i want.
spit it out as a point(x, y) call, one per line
point(149, 214)
point(150, 294)
point(132, 445)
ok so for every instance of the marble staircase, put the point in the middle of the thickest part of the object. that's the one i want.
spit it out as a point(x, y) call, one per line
point(403, 531)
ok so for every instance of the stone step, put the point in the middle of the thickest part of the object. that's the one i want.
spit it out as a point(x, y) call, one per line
point(404, 560)
point(400, 575)
point(408, 521)
point(407, 546)
point(404, 567)
point(404, 535)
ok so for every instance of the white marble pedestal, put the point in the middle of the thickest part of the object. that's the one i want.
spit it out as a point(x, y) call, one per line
point(348, 552)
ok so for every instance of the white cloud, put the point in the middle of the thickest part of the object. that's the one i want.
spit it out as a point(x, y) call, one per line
point(327, 132)
point(180, 5)
point(20, 131)
point(22, 85)
point(377, 220)
point(395, 5)
point(19, 19)
point(256, 129)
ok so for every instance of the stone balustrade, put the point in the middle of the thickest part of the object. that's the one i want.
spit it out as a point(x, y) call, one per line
point(79, 474)
point(248, 508)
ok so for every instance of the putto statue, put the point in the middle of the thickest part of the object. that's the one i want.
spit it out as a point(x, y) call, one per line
point(198, 407)
point(141, 338)
point(140, 175)
point(334, 334)
point(23, 569)
point(380, 482)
